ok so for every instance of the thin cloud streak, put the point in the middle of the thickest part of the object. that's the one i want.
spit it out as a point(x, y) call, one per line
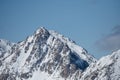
point(110, 42)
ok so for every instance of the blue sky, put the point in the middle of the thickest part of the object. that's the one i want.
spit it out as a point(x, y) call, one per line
point(88, 22)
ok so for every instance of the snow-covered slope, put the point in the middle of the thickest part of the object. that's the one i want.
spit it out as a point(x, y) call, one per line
point(46, 55)
point(107, 68)
point(5, 48)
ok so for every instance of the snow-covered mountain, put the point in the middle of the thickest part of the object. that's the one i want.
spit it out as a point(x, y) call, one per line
point(48, 55)
point(107, 68)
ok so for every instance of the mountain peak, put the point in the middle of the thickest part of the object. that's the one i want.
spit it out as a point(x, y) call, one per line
point(41, 30)
point(46, 52)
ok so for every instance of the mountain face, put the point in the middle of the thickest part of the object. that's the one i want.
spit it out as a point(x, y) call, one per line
point(107, 68)
point(47, 55)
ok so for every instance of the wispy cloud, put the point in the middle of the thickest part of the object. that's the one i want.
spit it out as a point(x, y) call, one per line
point(110, 42)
